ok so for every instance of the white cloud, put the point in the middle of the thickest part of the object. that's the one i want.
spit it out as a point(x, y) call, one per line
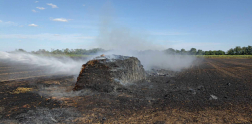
point(56, 35)
point(52, 5)
point(41, 8)
point(84, 5)
point(8, 23)
point(34, 10)
point(33, 25)
point(36, 1)
point(61, 19)
point(21, 26)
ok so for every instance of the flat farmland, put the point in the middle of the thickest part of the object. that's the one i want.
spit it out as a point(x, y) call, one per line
point(212, 90)
point(12, 71)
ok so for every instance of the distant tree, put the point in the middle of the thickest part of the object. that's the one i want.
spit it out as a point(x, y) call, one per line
point(222, 52)
point(231, 51)
point(42, 51)
point(20, 50)
point(211, 52)
point(200, 52)
point(249, 50)
point(66, 51)
point(170, 51)
point(207, 53)
point(183, 51)
point(238, 50)
point(193, 51)
point(244, 51)
point(214, 52)
point(177, 51)
point(72, 51)
point(219, 52)
point(57, 51)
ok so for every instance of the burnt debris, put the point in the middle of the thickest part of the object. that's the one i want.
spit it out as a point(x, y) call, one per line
point(106, 73)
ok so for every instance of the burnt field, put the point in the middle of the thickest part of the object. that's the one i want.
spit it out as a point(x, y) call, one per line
point(210, 91)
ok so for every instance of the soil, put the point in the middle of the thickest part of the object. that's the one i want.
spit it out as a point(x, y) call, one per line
point(210, 91)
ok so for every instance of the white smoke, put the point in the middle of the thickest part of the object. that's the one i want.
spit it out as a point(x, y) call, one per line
point(52, 65)
point(158, 59)
point(123, 41)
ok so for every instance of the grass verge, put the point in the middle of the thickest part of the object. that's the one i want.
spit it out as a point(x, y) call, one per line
point(226, 56)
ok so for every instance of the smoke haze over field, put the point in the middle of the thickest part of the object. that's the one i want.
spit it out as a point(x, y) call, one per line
point(52, 65)
point(123, 42)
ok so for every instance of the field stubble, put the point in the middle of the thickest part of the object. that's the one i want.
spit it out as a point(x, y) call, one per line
point(210, 91)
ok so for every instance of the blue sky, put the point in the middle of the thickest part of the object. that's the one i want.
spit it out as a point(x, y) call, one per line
point(58, 24)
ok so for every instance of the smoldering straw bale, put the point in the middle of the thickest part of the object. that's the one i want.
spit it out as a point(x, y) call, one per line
point(106, 73)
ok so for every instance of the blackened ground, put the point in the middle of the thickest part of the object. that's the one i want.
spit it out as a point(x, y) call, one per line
point(210, 91)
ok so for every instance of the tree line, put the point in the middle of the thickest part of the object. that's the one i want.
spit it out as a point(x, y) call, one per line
point(240, 51)
point(193, 51)
point(66, 51)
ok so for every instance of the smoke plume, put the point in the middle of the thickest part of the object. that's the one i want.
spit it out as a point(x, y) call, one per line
point(122, 41)
point(52, 65)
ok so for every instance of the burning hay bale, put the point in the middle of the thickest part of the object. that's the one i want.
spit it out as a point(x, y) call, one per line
point(106, 73)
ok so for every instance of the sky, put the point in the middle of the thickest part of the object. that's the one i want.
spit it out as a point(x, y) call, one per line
point(74, 24)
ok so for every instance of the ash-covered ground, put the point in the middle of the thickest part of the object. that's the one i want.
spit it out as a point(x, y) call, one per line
point(210, 91)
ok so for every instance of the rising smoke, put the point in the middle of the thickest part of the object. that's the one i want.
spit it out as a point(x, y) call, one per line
point(122, 41)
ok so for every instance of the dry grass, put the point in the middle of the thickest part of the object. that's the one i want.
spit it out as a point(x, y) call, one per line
point(226, 56)
point(21, 90)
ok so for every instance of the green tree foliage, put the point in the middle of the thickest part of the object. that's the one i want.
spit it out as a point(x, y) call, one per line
point(240, 51)
point(183, 51)
point(219, 52)
point(170, 51)
point(207, 53)
point(244, 51)
point(249, 50)
point(193, 51)
point(20, 50)
point(42, 51)
point(211, 52)
point(230, 51)
point(66, 51)
point(200, 52)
